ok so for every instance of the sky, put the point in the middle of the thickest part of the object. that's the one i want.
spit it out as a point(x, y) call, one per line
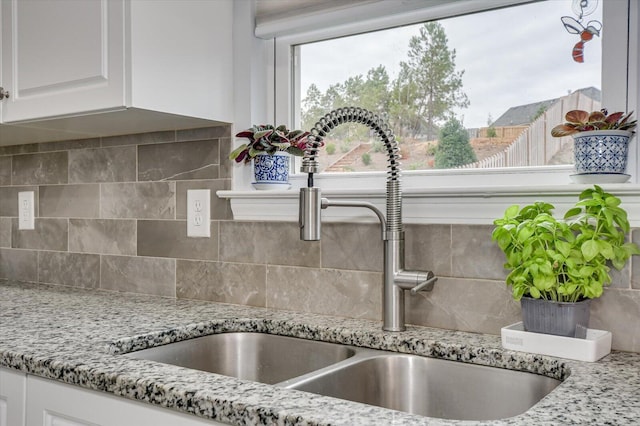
point(510, 57)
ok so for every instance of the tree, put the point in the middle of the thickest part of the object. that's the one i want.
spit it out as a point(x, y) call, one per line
point(312, 107)
point(405, 117)
point(428, 78)
point(371, 93)
point(454, 148)
point(375, 90)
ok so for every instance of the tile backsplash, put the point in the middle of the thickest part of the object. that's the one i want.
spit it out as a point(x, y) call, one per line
point(111, 214)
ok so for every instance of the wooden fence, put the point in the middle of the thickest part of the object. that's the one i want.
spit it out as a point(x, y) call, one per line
point(502, 132)
point(535, 146)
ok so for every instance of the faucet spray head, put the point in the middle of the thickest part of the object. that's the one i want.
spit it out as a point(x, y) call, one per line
point(309, 220)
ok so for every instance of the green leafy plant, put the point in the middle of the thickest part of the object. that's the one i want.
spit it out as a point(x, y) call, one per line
point(568, 259)
point(583, 121)
point(454, 148)
point(366, 159)
point(268, 139)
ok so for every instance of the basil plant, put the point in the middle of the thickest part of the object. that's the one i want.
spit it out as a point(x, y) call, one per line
point(569, 259)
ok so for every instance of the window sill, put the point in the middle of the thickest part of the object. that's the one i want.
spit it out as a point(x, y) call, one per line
point(480, 204)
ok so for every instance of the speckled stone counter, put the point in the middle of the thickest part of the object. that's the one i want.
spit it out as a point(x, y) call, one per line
point(77, 337)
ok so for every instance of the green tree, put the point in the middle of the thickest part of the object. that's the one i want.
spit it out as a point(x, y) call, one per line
point(366, 159)
point(454, 148)
point(370, 92)
point(375, 90)
point(405, 117)
point(312, 107)
point(429, 80)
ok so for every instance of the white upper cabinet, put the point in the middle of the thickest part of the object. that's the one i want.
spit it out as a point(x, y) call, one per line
point(147, 65)
point(62, 57)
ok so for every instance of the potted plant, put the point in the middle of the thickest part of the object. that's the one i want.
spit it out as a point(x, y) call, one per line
point(268, 149)
point(558, 265)
point(601, 142)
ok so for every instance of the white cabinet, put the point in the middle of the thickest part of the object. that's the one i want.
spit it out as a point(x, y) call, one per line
point(62, 57)
point(52, 403)
point(101, 67)
point(12, 397)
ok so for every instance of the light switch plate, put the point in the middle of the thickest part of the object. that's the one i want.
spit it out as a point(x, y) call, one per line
point(198, 213)
point(26, 210)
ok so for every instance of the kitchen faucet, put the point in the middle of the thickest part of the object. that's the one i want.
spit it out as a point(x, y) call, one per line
point(396, 278)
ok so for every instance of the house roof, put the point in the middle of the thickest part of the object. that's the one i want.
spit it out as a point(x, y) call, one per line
point(524, 114)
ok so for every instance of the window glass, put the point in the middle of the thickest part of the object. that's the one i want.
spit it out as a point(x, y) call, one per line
point(481, 90)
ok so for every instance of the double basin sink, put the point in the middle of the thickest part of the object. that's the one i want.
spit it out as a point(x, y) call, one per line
point(410, 383)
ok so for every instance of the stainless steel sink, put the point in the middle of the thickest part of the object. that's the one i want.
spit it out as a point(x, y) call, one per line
point(414, 384)
point(431, 387)
point(259, 357)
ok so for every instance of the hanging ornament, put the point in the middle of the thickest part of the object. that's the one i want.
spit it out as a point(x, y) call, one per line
point(582, 8)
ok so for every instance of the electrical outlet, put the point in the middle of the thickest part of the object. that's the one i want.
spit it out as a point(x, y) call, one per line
point(198, 213)
point(26, 212)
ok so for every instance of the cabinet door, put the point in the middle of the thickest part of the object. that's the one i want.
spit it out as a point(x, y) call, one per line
point(62, 57)
point(12, 397)
point(52, 403)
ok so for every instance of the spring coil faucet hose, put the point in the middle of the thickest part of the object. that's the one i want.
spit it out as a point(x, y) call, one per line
point(381, 128)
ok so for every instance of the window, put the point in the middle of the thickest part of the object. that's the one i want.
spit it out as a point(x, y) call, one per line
point(615, 90)
point(480, 90)
point(464, 195)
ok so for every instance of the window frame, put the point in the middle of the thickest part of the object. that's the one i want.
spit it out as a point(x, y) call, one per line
point(486, 198)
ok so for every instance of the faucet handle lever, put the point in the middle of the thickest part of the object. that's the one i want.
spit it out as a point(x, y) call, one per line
point(426, 285)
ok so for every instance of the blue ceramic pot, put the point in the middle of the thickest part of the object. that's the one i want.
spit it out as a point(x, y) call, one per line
point(271, 170)
point(601, 151)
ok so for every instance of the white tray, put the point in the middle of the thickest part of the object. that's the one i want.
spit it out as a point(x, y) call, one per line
point(596, 345)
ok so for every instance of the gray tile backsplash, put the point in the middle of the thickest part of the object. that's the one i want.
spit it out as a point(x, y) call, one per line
point(264, 243)
point(111, 214)
point(345, 246)
point(103, 236)
point(179, 161)
point(69, 200)
point(138, 275)
point(49, 234)
point(5, 232)
point(102, 165)
point(338, 292)
point(76, 269)
point(167, 238)
point(222, 282)
point(476, 305)
point(145, 200)
point(472, 243)
point(5, 170)
point(38, 169)
point(19, 265)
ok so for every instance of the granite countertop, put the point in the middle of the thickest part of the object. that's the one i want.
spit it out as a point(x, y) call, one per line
point(77, 336)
